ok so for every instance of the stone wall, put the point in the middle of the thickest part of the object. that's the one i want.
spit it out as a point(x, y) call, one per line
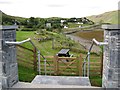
point(111, 59)
point(8, 63)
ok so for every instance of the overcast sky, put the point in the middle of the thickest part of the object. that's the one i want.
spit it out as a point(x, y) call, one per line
point(57, 8)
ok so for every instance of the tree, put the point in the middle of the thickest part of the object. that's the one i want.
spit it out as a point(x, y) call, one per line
point(31, 22)
point(72, 19)
point(79, 19)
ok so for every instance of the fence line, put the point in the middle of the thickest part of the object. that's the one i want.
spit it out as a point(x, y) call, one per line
point(58, 65)
point(27, 57)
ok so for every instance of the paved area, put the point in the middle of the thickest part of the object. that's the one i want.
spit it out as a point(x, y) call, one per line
point(62, 80)
point(31, 85)
point(56, 82)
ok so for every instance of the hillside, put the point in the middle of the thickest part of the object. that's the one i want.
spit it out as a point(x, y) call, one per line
point(8, 19)
point(107, 17)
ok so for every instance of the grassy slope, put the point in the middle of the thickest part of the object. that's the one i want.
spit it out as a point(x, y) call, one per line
point(44, 47)
point(98, 35)
point(107, 17)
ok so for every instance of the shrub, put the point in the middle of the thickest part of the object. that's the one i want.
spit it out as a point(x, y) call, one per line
point(27, 29)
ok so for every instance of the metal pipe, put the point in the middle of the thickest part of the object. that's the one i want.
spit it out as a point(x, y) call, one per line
point(45, 62)
point(88, 56)
point(17, 43)
point(34, 45)
point(39, 68)
point(84, 64)
point(45, 66)
point(88, 69)
point(42, 57)
point(84, 70)
point(99, 43)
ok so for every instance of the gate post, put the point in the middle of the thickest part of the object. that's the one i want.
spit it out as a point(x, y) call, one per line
point(8, 62)
point(80, 65)
point(111, 58)
point(56, 64)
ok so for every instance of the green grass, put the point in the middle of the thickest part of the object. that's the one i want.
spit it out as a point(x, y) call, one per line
point(73, 25)
point(26, 74)
point(21, 35)
point(44, 47)
point(96, 81)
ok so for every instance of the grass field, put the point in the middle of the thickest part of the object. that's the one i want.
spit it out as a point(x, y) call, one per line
point(26, 74)
point(73, 25)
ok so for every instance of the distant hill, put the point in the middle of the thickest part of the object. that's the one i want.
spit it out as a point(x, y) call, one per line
point(107, 17)
point(10, 20)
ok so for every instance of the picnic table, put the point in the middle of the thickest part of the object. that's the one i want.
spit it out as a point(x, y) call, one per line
point(64, 52)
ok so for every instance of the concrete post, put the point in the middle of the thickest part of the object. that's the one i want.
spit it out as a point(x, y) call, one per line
point(8, 63)
point(111, 57)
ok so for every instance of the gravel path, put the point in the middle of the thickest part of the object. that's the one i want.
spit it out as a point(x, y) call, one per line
point(85, 43)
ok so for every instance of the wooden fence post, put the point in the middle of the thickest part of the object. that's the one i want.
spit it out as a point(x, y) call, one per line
point(35, 60)
point(53, 41)
point(80, 65)
point(77, 64)
point(56, 65)
point(101, 64)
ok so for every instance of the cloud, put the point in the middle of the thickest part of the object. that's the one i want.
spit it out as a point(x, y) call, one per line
point(55, 5)
point(60, 8)
point(5, 2)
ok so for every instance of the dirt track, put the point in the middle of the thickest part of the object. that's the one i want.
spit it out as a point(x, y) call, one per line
point(85, 43)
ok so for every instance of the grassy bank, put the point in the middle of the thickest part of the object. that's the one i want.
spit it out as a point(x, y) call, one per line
point(89, 35)
point(46, 46)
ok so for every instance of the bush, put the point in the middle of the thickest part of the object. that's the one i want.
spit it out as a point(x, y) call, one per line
point(27, 29)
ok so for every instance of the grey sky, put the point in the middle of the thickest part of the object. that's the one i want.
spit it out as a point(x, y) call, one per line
point(57, 8)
